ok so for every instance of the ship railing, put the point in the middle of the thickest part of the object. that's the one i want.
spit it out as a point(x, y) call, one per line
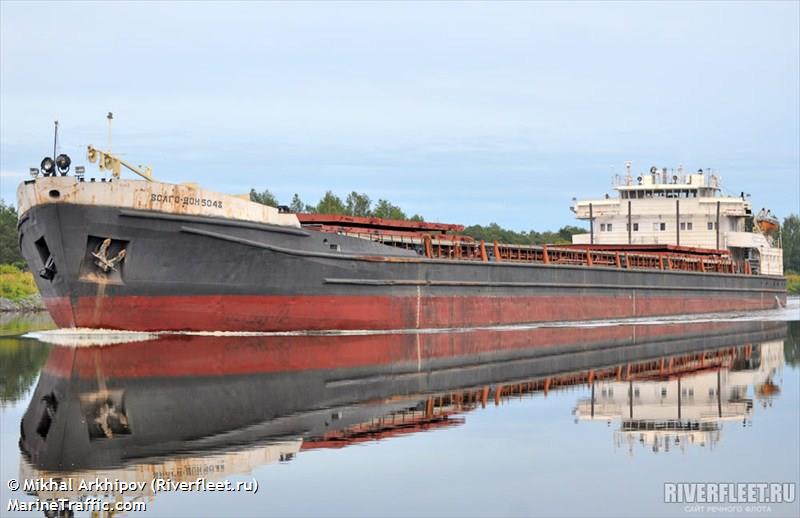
point(465, 248)
point(615, 259)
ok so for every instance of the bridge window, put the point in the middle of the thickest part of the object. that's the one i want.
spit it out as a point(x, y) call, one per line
point(659, 227)
point(712, 225)
point(686, 225)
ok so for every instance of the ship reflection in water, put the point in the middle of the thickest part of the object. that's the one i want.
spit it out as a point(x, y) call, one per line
point(675, 403)
point(219, 407)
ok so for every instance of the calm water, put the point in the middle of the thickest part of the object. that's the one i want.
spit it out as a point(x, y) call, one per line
point(541, 421)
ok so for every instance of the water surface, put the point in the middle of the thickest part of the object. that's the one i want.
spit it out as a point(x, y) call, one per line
point(564, 420)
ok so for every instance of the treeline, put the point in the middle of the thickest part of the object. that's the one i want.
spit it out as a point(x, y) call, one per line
point(9, 250)
point(494, 232)
point(790, 237)
point(360, 204)
point(355, 204)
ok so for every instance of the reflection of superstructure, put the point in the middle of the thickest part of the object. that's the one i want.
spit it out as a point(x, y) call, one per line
point(685, 401)
point(669, 207)
point(190, 405)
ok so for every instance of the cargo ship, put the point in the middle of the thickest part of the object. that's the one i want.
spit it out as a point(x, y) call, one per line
point(118, 253)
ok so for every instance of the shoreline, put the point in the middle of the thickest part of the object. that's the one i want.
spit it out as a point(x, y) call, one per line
point(31, 304)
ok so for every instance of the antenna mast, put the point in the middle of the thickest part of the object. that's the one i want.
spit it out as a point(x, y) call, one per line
point(110, 118)
point(107, 161)
point(55, 140)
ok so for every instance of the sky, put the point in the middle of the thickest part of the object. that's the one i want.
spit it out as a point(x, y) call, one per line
point(461, 112)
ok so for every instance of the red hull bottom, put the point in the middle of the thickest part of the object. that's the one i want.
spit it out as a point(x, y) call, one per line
point(288, 313)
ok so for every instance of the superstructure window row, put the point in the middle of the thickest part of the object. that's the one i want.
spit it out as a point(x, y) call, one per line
point(644, 193)
point(658, 226)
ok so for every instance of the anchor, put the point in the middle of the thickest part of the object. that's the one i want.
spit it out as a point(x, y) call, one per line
point(49, 271)
point(105, 414)
point(101, 257)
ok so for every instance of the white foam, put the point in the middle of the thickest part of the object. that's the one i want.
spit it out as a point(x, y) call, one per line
point(81, 337)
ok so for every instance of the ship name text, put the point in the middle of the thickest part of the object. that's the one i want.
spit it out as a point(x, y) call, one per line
point(185, 200)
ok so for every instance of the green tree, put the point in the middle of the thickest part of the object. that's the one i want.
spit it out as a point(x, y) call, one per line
point(330, 204)
point(790, 237)
point(358, 204)
point(384, 209)
point(566, 232)
point(297, 204)
point(494, 232)
point(9, 247)
point(264, 198)
point(416, 217)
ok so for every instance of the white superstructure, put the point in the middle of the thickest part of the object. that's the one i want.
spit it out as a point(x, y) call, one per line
point(669, 207)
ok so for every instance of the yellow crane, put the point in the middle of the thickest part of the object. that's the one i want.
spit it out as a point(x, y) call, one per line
point(108, 161)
